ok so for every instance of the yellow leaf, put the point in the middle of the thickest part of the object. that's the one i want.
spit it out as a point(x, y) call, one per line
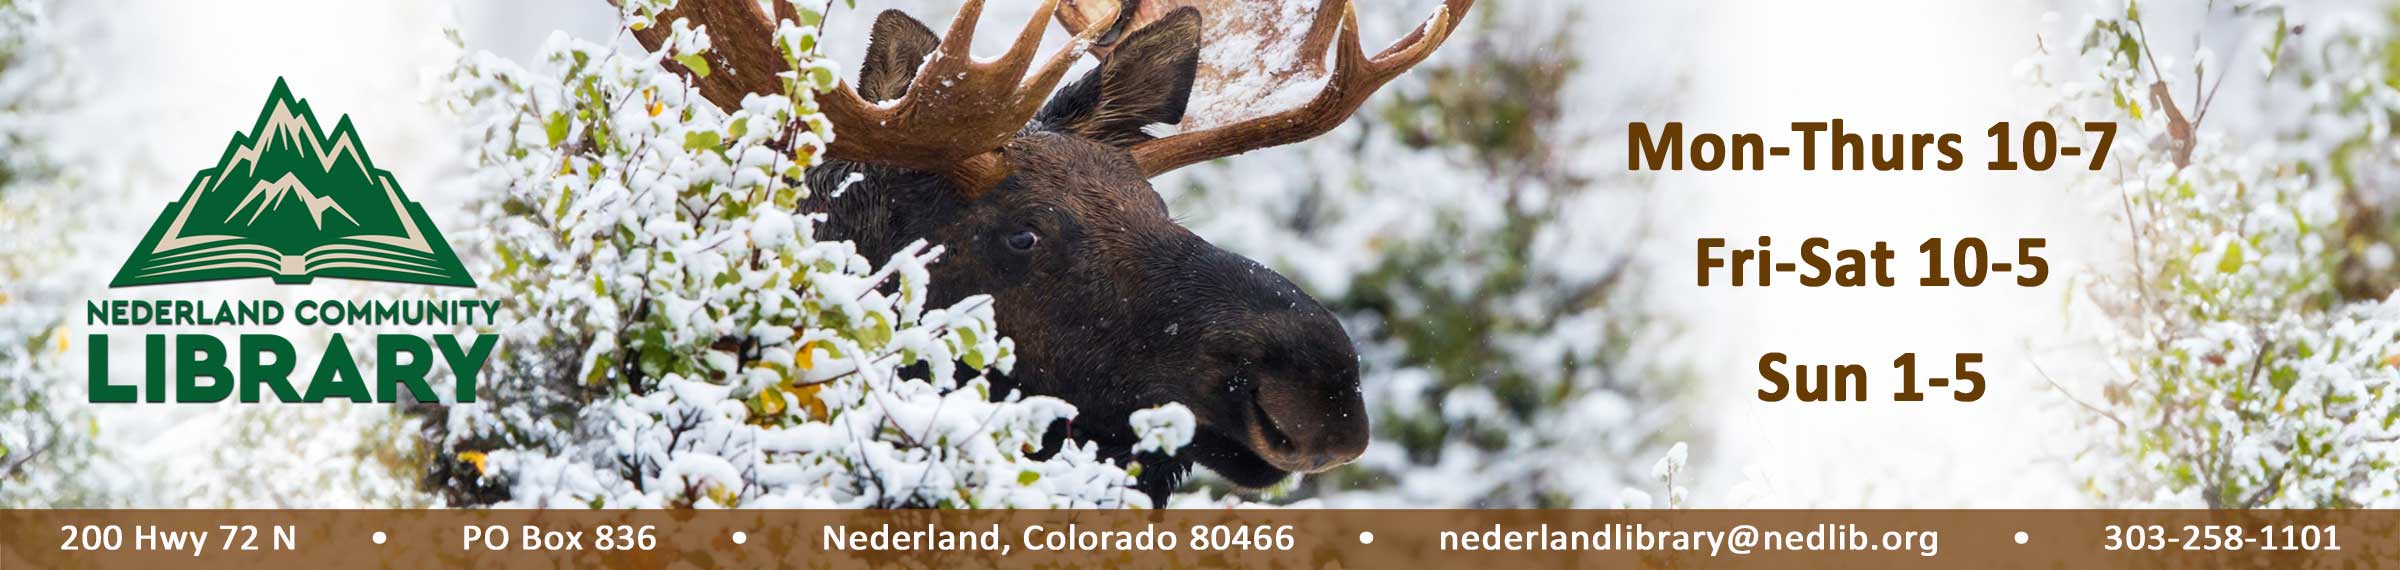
point(62, 341)
point(723, 497)
point(808, 355)
point(475, 458)
point(807, 395)
point(770, 401)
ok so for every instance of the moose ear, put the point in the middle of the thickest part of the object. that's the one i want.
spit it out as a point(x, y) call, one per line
point(895, 49)
point(1146, 80)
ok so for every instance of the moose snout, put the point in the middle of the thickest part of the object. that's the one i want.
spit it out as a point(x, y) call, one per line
point(1289, 392)
point(1298, 430)
point(1305, 410)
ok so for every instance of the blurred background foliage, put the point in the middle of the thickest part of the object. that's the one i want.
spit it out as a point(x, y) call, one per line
point(2254, 335)
point(46, 437)
point(1469, 225)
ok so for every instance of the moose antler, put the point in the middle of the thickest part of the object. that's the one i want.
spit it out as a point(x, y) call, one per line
point(954, 117)
point(957, 112)
point(1255, 29)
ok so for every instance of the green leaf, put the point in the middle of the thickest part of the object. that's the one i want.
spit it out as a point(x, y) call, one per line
point(698, 65)
point(556, 126)
point(509, 260)
point(701, 140)
point(601, 364)
point(822, 77)
point(2232, 262)
point(2129, 48)
point(2274, 51)
point(566, 197)
point(878, 330)
point(1028, 477)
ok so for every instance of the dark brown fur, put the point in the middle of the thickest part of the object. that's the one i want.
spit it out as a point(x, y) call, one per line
point(1115, 308)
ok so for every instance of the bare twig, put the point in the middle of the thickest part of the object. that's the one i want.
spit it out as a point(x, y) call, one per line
point(2062, 390)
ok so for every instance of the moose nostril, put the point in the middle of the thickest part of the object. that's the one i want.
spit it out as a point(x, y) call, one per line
point(1305, 426)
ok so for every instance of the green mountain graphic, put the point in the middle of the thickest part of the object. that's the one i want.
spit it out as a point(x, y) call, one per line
point(290, 204)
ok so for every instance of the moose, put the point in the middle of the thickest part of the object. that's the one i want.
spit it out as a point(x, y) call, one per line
point(1043, 201)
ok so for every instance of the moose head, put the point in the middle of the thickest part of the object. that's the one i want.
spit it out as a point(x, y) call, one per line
point(1043, 201)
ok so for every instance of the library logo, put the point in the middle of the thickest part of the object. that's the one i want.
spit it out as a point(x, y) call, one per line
point(290, 202)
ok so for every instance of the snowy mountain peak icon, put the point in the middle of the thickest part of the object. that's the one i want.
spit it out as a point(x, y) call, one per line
point(290, 201)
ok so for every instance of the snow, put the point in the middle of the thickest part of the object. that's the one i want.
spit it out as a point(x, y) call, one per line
point(844, 428)
point(815, 412)
point(818, 415)
point(2225, 350)
point(1163, 429)
point(1256, 49)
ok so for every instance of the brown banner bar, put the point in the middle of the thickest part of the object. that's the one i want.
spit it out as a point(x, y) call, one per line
point(1410, 539)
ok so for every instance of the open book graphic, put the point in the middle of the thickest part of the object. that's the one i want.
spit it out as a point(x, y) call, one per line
point(290, 204)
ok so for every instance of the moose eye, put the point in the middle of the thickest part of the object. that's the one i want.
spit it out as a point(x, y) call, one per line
point(1023, 240)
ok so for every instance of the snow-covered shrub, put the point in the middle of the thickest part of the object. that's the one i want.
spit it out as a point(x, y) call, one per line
point(1670, 473)
point(678, 339)
point(2256, 357)
point(45, 432)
